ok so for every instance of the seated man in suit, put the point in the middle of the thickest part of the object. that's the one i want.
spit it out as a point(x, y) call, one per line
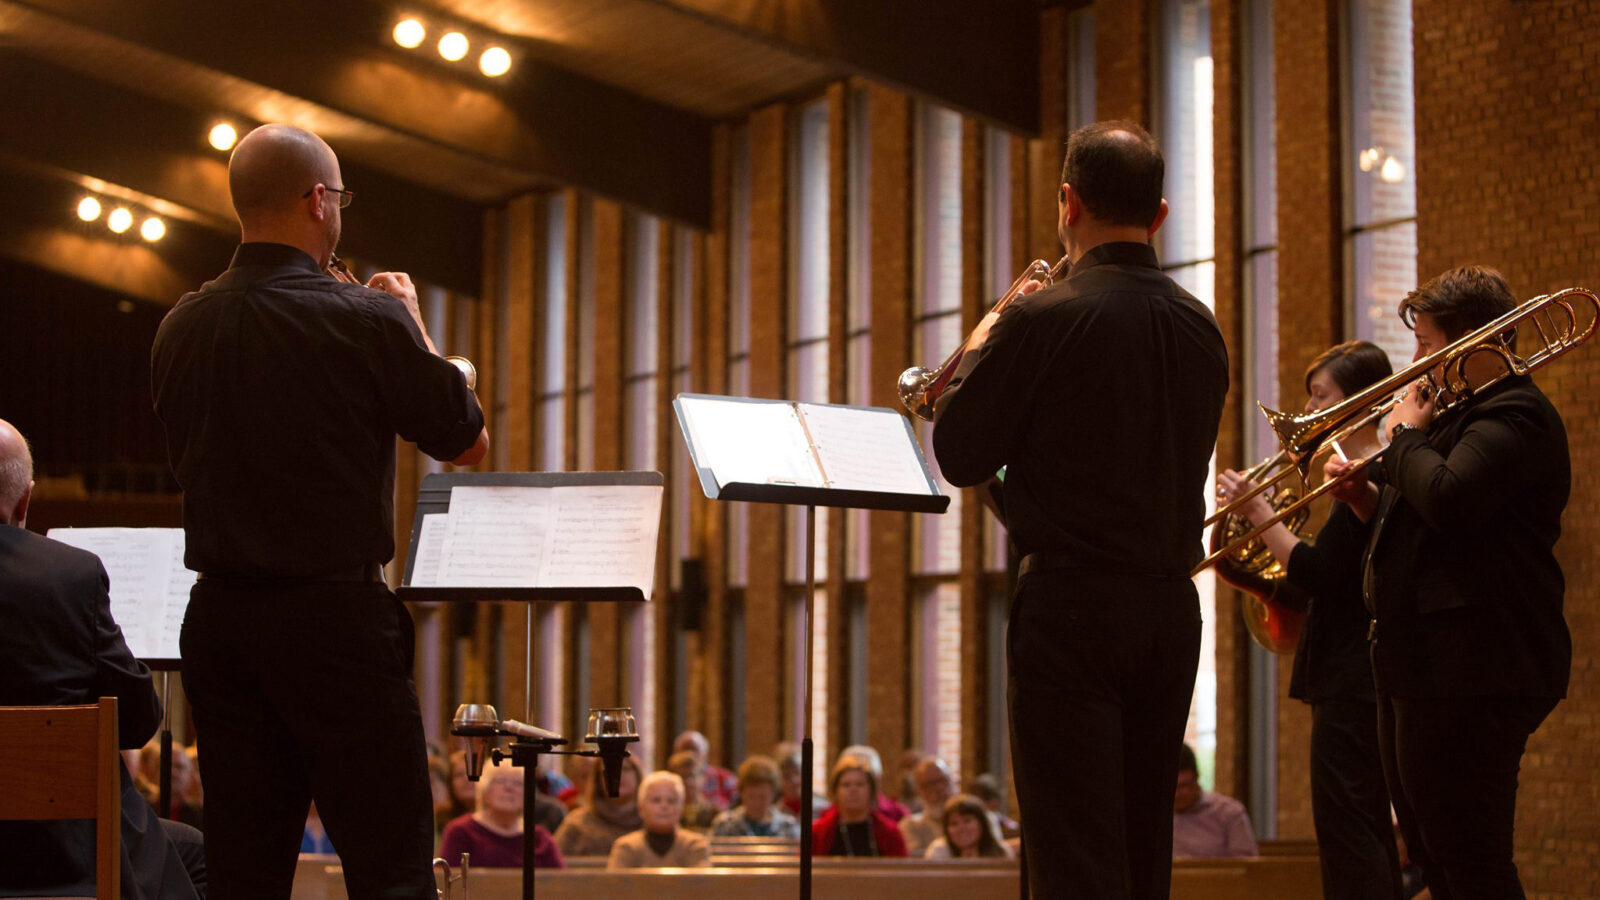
point(61, 647)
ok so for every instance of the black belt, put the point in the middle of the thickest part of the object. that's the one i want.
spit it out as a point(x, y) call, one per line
point(366, 572)
point(1049, 561)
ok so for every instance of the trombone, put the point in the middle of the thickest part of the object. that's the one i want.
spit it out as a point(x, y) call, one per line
point(1561, 321)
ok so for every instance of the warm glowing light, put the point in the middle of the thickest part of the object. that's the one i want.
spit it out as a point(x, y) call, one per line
point(120, 220)
point(88, 209)
point(1369, 158)
point(409, 33)
point(223, 136)
point(453, 46)
point(1393, 171)
point(494, 62)
point(153, 229)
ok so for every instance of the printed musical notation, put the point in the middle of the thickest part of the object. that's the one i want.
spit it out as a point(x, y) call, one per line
point(149, 585)
point(529, 536)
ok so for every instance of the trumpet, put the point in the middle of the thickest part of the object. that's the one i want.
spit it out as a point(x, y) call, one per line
point(1561, 321)
point(920, 388)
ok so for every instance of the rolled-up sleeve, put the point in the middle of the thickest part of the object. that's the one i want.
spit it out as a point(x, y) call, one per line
point(426, 398)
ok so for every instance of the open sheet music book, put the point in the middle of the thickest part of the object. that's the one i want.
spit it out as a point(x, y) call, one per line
point(149, 585)
point(551, 535)
point(741, 445)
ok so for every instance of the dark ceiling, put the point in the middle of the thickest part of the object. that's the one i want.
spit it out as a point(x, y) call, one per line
point(615, 97)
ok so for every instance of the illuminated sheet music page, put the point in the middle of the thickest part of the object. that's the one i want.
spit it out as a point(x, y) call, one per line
point(864, 449)
point(535, 537)
point(149, 584)
point(750, 443)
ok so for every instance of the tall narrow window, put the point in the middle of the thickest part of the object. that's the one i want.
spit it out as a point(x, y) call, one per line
point(739, 331)
point(642, 415)
point(1080, 74)
point(549, 680)
point(1380, 164)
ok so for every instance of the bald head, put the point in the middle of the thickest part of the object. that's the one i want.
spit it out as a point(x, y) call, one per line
point(273, 166)
point(16, 475)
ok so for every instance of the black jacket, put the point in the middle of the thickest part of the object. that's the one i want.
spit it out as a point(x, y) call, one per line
point(60, 646)
point(1461, 573)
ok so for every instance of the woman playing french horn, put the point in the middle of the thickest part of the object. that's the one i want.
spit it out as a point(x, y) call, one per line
point(1349, 803)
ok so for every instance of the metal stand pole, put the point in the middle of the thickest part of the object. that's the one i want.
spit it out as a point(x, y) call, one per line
point(165, 780)
point(806, 749)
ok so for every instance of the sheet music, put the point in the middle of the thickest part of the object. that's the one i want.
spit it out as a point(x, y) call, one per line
point(750, 443)
point(865, 449)
point(430, 550)
point(149, 584)
point(494, 537)
point(603, 537)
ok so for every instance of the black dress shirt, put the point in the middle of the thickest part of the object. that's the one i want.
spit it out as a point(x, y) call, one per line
point(281, 391)
point(1331, 658)
point(1101, 395)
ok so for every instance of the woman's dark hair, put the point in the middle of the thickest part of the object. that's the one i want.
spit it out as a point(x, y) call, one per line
point(1460, 300)
point(1352, 365)
point(988, 829)
point(851, 764)
point(1116, 169)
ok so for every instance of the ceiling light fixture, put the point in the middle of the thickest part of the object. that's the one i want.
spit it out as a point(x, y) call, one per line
point(223, 136)
point(453, 46)
point(410, 33)
point(88, 209)
point(120, 220)
point(153, 229)
point(494, 62)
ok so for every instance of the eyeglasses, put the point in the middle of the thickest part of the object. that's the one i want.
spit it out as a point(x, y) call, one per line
point(344, 196)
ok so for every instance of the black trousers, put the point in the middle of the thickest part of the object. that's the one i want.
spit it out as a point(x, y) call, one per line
point(1102, 670)
point(303, 692)
point(1451, 764)
point(1350, 803)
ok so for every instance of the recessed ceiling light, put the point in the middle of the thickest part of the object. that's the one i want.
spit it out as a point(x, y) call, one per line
point(120, 220)
point(409, 33)
point(88, 209)
point(453, 46)
point(223, 136)
point(494, 62)
point(153, 229)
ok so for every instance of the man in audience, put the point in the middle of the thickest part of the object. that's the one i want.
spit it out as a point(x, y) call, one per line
point(61, 647)
point(149, 783)
point(719, 787)
point(1207, 824)
point(934, 785)
point(986, 787)
point(788, 756)
point(698, 813)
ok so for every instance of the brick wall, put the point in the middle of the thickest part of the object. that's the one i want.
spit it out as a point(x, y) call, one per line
point(1506, 112)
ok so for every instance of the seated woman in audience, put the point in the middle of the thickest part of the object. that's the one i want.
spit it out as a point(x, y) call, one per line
point(756, 816)
point(890, 807)
point(493, 833)
point(661, 843)
point(698, 813)
point(463, 793)
point(788, 756)
point(595, 825)
point(970, 832)
point(855, 826)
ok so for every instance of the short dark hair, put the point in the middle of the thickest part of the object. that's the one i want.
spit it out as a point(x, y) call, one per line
point(1352, 365)
point(1186, 760)
point(1460, 300)
point(1117, 169)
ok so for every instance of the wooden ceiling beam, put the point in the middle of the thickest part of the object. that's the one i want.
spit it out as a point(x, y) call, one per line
point(993, 75)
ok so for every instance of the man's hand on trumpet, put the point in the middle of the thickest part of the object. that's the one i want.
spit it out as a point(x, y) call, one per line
point(1231, 484)
point(398, 285)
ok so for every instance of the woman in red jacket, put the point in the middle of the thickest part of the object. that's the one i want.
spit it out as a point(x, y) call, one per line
point(854, 826)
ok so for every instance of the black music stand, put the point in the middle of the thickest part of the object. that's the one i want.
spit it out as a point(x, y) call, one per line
point(608, 503)
point(149, 593)
point(757, 451)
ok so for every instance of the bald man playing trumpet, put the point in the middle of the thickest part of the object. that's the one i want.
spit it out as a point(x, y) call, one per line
point(281, 391)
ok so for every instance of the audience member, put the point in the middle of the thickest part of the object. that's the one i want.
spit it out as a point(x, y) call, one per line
point(179, 809)
point(593, 827)
point(986, 787)
point(195, 796)
point(718, 785)
point(443, 802)
point(580, 769)
point(61, 647)
point(855, 826)
point(463, 794)
point(934, 785)
point(969, 831)
point(756, 816)
point(905, 780)
point(887, 805)
point(661, 842)
point(697, 813)
point(788, 756)
point(493, 833)
point(1207, 824)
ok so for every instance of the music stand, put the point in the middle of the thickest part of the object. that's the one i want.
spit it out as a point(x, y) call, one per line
point(811, 455)
point(534, 537)
point(149, 590)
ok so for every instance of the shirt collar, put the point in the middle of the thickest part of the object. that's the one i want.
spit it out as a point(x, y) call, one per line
point(262, 253)
point(1118, 253)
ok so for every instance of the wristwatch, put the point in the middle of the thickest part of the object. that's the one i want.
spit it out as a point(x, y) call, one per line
point(1394, 433)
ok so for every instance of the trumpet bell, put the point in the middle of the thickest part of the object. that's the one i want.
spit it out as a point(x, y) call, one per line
point(913, 387)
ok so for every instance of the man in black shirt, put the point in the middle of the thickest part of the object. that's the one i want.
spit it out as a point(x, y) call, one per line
point(281, 391)
point(1101, 395)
